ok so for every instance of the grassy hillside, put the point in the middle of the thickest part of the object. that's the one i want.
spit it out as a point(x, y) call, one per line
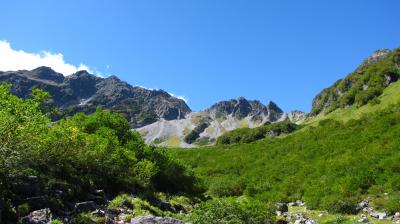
point(340, 159)
point(363, 85)
point(390, 96)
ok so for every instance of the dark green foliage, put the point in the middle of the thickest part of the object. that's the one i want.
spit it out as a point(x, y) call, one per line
point(329, 166)
point(76, 156)
point(195, 133)
point(230, 210)
point(342, 205)
point(361, 86)
point(248, 135)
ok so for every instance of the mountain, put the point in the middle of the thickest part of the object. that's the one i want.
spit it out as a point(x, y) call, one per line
point(361, 86)
point(204, 127)
point(84, 92)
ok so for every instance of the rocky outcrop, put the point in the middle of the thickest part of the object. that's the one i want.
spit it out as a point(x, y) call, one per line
point(294, 116)
point(42, 216)
point(84, 92)
point(241, 108)
point(155, 220)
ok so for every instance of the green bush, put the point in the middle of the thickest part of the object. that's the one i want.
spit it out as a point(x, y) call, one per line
point(56, 221)
point(230, 210)
point(341, 205)
point(81, 153)
point(248, 135)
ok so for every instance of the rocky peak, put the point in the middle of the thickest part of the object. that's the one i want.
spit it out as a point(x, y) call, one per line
point(84, 92)
point(82, 84)
point(241, 108)
point(378, 55)
point(46, 73)
point(159, 92)
point(274, 107)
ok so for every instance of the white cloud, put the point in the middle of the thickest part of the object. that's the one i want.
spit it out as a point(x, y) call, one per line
point(13, 60)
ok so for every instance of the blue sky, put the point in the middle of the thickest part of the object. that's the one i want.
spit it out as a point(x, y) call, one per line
point(210, 50)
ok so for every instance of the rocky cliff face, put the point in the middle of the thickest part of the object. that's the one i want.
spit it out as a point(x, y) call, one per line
point(241, 108)
point(84, 92)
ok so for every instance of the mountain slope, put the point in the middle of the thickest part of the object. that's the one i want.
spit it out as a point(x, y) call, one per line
point(331, 166)
point(363, 85)
point(337, 160)
point(84, 92)
point(205, 127)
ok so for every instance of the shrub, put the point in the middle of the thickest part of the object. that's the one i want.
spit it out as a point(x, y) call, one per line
point(341, 204)
point(248, 135)
point(230, 210)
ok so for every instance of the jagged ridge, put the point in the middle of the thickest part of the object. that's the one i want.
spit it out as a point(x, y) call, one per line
point(84, 92)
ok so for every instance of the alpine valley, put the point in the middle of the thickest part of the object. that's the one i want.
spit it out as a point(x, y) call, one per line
point(85, 149)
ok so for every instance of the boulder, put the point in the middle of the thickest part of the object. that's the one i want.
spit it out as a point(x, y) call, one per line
point(42, 216)
point(282, 207)
point(296, 203)
point(363, 219)
point(87, 206)
point(396, 216)
point(379, 215)
point(99, 212)
point(155, 220)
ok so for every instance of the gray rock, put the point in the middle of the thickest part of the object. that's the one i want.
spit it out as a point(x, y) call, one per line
point(99, 212)
point(87, 206)
point(363, 219)
point(296, 203)
point(42, 216)
point(282, 207)
point(379, 215)
point(396, 216)
point(155, 220)
point(363, 204)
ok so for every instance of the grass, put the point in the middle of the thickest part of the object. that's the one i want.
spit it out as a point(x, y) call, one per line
point(173, 141)
point(322, 164)
point(332, 218)
point(244, 123)
point(389, 97)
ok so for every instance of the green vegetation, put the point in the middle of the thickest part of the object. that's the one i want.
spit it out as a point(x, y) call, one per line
point(232, 210)
point(330, 166)
point(195, 133)
point(332, 161)
point(248, 135)
point(76, 156)
point(361, 86)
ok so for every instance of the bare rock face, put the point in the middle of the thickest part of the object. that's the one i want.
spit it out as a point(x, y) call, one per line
point(294, 116)
point(241, 108)
point(84, 92)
